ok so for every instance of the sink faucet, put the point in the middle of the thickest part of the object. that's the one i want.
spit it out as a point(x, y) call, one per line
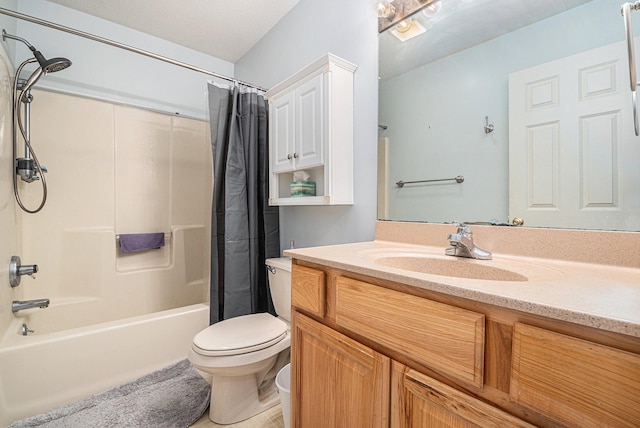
point(462, 244)
point(19, 305)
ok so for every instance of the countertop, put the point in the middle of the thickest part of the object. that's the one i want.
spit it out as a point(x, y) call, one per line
point(595, 295)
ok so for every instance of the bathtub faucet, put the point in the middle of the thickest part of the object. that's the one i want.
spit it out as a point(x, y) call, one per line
point(19, 305)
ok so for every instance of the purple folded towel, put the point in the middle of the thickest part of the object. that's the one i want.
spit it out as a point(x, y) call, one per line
point(132, 242)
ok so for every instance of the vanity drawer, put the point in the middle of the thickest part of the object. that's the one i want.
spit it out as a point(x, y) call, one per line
point(447, 339)
point(574, 381)
point(308, 290)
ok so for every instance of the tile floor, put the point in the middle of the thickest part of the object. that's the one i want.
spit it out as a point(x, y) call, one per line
point(272, 418)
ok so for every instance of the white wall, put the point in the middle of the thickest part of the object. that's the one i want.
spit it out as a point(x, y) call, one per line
point(347, 29)
point(436, 113)
point(110, 73)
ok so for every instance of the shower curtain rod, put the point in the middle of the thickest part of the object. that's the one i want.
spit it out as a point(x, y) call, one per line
point(121, 46)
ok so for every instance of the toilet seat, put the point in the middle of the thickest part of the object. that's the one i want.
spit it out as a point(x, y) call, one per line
point(240, 335)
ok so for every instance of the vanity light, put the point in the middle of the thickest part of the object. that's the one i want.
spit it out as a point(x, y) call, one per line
point(401, 16)
point(432, 9)
point(386, 10)
point(409, 28)
point(404, 25)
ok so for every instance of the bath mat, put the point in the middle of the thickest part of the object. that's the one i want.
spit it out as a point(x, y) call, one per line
point(176, 396)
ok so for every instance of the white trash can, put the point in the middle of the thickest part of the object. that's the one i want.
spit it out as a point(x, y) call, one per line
point(283, 382)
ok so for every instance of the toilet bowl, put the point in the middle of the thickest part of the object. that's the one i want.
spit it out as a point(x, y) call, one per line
point(245, 353)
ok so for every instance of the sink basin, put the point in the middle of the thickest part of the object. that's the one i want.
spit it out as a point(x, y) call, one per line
point(453, 267)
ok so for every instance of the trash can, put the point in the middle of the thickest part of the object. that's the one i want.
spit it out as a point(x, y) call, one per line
point(283, 382)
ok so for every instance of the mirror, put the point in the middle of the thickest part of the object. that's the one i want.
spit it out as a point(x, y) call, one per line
point(446, 109)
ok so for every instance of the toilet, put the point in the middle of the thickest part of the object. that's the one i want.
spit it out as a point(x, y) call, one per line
point(244, 354)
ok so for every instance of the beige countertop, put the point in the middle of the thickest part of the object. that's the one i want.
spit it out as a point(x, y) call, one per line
point(595, 295)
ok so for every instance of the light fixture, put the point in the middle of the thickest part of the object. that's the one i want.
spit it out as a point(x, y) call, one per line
point(404, 25)
point(386, 10)
point(432, 9)
point(409, 28)
point(392, 12)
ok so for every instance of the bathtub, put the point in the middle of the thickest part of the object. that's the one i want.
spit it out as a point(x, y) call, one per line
point(48, 369)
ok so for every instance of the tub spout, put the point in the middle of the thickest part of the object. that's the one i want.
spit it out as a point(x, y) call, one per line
point(19, 305)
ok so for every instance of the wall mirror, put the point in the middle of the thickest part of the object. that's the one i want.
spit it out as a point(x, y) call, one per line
point(526, 103)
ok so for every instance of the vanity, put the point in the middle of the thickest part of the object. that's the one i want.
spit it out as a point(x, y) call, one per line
point(395, 333)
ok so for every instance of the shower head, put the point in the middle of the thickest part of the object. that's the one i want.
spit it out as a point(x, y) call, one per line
point(50, 65)
point(47, 65)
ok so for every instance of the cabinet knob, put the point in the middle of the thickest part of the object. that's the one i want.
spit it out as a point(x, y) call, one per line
point(295, 156)
point(289, 157)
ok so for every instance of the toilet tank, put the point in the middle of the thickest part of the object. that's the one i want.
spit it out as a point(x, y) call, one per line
point(279, 270)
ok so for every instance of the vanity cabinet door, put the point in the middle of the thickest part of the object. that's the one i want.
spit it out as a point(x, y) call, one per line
point(336, 381)
point(574, 381)
point(418, 400)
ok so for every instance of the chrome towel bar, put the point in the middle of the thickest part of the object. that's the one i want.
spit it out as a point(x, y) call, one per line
point(458, 179)
point(167, 239)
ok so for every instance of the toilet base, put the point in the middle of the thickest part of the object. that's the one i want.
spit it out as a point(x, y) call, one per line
point(238, 399)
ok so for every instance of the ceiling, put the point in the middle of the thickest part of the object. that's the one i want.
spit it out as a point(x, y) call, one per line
point(461, 24)
point(228, 29)
point(221, 28)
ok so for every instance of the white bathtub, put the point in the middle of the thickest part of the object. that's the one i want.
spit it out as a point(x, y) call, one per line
point(42, 371)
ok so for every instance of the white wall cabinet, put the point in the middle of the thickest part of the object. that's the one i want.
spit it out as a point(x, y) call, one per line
point(311, 129)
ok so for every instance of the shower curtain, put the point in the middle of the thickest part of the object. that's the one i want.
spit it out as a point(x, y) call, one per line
point(244, 228)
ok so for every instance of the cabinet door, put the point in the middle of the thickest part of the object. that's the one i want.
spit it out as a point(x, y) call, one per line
point(573, 381)
point(336, 381)
point(420, 401)
point(309, 149)
point(282, 130)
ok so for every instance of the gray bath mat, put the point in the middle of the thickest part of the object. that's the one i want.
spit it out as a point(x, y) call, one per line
point(175, 396)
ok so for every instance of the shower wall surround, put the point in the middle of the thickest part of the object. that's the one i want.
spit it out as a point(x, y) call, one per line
point(115, 169)
point(8, 219)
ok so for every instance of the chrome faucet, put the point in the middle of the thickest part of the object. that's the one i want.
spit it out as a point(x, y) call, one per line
point(462, 244)
point(20, 305)
point(16, 270)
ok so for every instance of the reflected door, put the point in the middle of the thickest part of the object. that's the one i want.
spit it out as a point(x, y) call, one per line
point(573, 155)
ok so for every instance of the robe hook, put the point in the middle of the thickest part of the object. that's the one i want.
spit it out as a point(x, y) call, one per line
point(488, 128)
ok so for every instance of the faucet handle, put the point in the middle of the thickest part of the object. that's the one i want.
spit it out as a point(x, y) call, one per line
point(16, 270)
point(463, 229)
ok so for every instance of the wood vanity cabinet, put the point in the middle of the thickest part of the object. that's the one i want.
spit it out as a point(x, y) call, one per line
point(369, 353)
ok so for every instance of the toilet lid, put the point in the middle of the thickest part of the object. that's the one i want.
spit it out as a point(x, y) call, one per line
point(239, 335)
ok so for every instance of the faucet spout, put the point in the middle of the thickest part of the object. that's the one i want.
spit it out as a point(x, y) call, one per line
point(462, 245)
point(20, 305)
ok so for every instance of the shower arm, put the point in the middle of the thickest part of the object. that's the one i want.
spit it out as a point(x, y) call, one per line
point(6, 35)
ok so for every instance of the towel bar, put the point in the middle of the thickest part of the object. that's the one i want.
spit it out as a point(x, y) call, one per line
point(167, 238)
point(458, 179)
